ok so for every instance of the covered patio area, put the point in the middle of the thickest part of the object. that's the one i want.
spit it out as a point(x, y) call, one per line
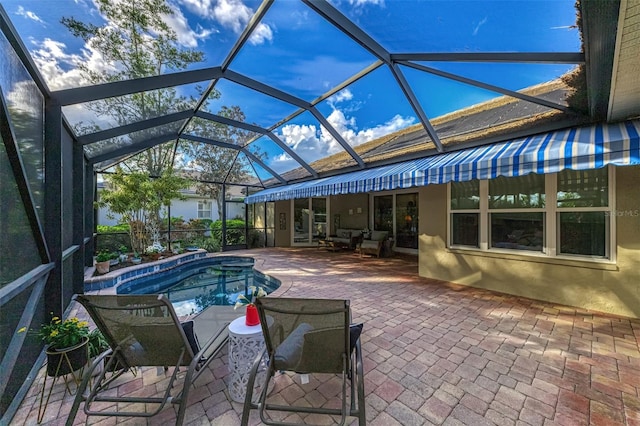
point(435, 353)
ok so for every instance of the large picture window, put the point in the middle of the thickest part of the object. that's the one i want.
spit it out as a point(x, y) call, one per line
point(516, 212)
point(563, 214)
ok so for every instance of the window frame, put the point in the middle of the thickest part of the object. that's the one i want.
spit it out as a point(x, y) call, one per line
point(201, 210)
point(451, 212)
point(551, 222)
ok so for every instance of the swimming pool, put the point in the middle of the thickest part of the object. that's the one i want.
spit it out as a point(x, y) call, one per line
point(194, 286)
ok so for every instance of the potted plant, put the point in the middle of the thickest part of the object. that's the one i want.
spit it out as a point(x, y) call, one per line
point(249, 299)
point(103, 260)
point(124, 253)
point(136, 259)
point(66, 342)
point(114, 258)
point(97, 344)
point(154, 251)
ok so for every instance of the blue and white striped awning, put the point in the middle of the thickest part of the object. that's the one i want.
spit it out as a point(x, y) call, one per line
point(581, 148)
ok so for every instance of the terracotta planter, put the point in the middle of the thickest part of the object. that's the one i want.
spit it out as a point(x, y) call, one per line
point(252, 317)
point(154, 256)
point(103, 267)
point(66, 360)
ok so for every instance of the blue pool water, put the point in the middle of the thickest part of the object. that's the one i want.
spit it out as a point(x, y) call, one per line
point(196, 285)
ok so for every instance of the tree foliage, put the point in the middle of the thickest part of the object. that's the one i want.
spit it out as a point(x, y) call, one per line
point(136, 42)
point(217, 164)
point(138, 198)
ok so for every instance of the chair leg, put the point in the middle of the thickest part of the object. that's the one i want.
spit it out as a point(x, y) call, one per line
point(248, 397)
point(362, 418)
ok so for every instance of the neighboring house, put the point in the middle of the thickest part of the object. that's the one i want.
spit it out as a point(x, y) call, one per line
point(195, 206)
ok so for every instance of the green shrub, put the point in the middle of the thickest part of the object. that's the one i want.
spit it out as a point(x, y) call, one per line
point(108, 229)
point(235, 231)
point(256, 238)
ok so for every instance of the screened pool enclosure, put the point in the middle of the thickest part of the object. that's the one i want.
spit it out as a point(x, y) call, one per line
point(279, 100)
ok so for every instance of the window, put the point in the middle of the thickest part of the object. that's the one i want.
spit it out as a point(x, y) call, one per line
point(563, 214)
point(465, 213)
point(398, 215)
point(407, 220)
point(383, 213)
point(516, 212)
point(583, 200)
point(204, 209)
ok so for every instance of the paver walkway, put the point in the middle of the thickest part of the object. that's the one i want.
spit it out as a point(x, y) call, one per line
point(435, 353)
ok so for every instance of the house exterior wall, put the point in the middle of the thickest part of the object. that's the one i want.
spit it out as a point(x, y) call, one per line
point(188, 209)
point(353, 210)
point(283, 236)
point(609, 287)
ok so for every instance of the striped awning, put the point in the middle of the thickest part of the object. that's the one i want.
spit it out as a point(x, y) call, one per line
point(581, 148)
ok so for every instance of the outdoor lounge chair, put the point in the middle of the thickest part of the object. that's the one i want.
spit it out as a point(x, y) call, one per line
point(143, 331)
point(375, 245)
point(308, 336)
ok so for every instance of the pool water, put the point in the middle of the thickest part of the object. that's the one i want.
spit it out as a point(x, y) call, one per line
point(195, 286)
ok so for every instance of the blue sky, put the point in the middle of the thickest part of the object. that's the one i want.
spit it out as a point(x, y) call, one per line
point(296, 51)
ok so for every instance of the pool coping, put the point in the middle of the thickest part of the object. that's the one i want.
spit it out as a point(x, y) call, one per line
point(109, 282)
point(112, 279)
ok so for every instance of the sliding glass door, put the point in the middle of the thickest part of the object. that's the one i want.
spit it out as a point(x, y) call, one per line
point(309, 220)
point(397, 214)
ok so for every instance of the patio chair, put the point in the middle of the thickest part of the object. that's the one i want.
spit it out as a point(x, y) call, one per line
point(375, 245)
point(308, 336)
point(143, 331)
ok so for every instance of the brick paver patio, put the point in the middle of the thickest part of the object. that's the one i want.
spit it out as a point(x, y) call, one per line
point(435, 353)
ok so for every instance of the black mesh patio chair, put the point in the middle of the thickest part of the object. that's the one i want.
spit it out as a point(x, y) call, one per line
point(143, 331)
point(308, 336)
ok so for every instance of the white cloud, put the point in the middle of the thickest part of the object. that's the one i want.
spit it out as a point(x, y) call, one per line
point(29, 15)
point(232, 14)
point(199, 7)
point(348, 129)
point(341, 96)
point(60, 69)
point(362, 3)
point(312, 144)
point(186, 36)
point(261, 34)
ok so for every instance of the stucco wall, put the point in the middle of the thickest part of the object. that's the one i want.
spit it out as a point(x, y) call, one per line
point(343, 204)
point(283, 236)
point(187, 209)
point(613, 288)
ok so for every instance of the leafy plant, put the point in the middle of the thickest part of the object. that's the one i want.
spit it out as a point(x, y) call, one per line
point(103, 256)
point(251, 296)
point(97, 343)
point(59, 334)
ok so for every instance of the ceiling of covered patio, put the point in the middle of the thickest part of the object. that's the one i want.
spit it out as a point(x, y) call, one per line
point(319, 88)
